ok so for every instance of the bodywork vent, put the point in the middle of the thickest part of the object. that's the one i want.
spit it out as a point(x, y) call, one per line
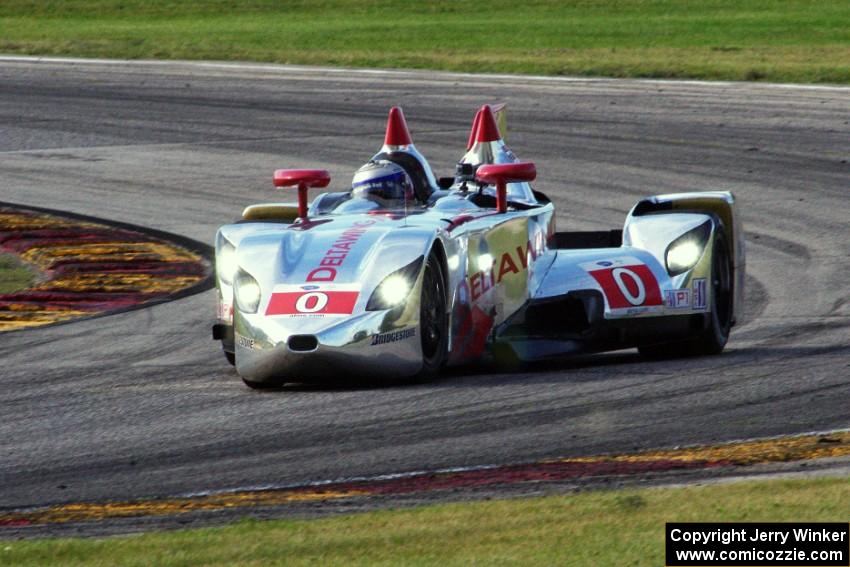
point(566, 316)
point(303, 343)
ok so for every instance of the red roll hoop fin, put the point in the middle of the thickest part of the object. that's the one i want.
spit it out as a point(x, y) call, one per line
point(488, 130)
point(493, 131)
point(474, 131)
point(397, 132)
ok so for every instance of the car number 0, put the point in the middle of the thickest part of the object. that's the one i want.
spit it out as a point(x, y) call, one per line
point(634, 299)
point(311, 302)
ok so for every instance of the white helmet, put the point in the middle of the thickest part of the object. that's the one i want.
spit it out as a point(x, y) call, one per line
point(383, 182)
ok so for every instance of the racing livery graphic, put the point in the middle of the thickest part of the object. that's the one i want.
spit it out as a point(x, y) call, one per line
point(313, 300)
point(403, 273)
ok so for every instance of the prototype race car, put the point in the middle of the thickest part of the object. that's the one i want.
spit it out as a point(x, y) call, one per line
point(403, 274)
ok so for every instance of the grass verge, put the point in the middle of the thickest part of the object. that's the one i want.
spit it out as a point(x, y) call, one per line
point(790, 40)
point(595, 528)
point(14, 276)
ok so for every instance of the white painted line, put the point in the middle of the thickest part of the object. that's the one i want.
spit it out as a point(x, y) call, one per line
point(342, 480)
point(400, 73)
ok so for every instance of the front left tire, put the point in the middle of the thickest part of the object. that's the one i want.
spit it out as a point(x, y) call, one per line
point(433, 321)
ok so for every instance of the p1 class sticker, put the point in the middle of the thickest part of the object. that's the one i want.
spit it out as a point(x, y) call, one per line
point(626, 283)
point(700, 302)
point(677, 298)
point(330, 300)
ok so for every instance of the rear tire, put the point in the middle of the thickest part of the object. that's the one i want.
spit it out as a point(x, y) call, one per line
point(713, 339)
point(433, 322)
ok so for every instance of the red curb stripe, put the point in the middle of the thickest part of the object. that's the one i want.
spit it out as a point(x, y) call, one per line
point(740, 454)
point(16, 523)
point(535, 472)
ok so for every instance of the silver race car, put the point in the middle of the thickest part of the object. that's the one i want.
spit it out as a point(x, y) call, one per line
point(403, 274)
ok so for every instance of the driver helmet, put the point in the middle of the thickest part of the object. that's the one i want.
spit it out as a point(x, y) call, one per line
point(383, 182)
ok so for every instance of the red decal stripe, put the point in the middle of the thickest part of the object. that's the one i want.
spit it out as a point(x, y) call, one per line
point(628, 286)
point(312, 303)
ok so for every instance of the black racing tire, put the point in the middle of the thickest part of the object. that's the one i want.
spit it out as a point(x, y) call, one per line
point(713, 339)
point(433, 320)
point(231, 357)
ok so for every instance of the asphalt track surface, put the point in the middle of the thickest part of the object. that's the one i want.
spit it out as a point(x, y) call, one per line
point(143, 404)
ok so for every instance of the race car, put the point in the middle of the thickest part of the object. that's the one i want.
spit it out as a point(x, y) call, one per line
point(402, 274)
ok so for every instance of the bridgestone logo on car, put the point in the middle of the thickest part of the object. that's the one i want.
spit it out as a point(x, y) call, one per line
point(393, 337)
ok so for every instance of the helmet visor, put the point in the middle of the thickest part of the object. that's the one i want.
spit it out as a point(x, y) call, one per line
point(389, 190)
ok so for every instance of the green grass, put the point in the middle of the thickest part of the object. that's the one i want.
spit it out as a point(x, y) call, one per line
point(14, 276)
point(793, 40)
point(596, 528)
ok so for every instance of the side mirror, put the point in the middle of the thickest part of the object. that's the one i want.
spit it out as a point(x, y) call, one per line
point(500, 174)
point(303, 179)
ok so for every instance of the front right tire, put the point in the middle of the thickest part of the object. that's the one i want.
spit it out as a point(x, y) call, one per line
point(714, 338)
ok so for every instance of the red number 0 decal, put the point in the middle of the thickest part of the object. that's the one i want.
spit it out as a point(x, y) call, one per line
point(312, 303)
point(628, 286)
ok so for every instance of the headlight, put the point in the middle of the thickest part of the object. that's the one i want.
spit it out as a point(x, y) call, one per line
point(247, 292)
point(684, 252)
point(395, 288)
point(225, 260)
